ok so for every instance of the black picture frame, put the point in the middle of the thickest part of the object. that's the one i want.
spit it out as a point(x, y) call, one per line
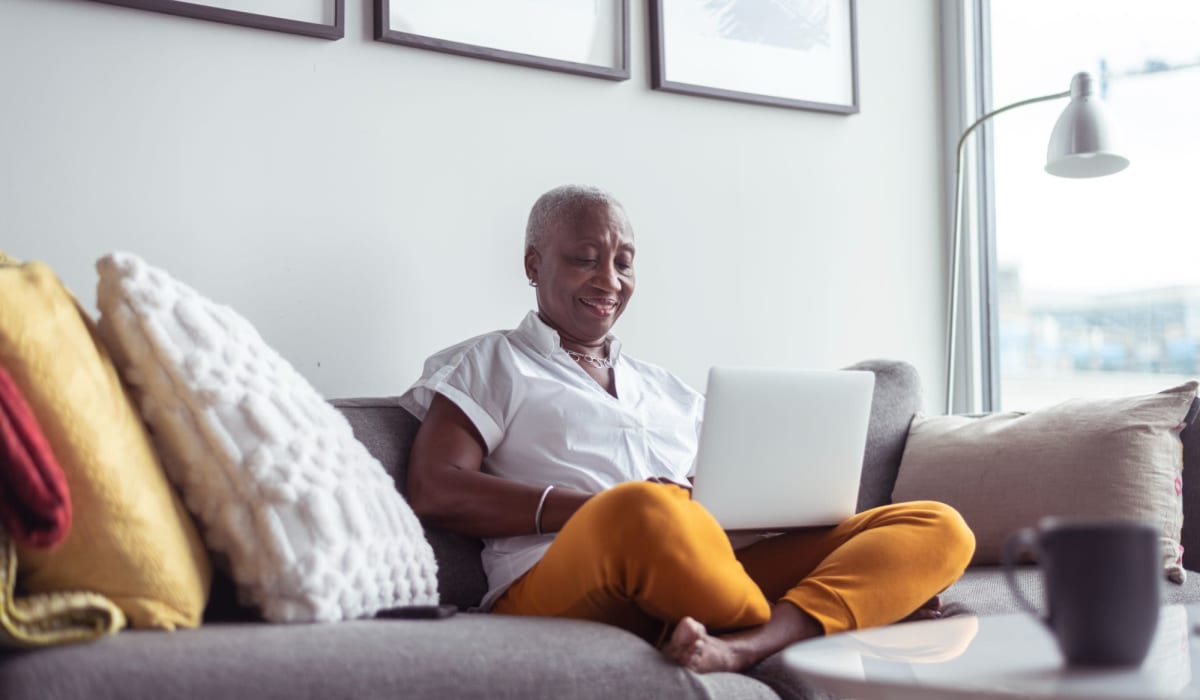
point(661, 77)
point(193, 10)
point(386, 33)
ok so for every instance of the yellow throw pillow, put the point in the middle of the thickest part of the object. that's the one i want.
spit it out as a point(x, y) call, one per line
point(131, 538)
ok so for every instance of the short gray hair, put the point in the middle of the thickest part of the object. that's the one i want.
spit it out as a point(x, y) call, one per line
point(560, 203)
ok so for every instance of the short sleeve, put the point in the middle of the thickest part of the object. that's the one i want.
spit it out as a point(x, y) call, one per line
point(478, 376)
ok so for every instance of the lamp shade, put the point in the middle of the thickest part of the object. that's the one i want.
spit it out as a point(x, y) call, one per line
point(1081, 143)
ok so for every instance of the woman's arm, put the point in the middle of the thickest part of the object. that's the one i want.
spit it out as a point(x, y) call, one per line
point(447, 489)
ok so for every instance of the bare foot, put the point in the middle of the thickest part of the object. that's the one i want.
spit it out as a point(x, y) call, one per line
point(692, 647)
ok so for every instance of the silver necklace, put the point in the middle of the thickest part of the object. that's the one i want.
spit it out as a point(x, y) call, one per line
point(597, 362)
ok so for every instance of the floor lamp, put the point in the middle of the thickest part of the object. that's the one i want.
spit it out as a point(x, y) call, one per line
point(1079, 147)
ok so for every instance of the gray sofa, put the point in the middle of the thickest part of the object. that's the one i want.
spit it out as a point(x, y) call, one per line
point(474, 655)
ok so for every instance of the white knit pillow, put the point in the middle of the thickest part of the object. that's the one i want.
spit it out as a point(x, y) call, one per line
point(311, 524)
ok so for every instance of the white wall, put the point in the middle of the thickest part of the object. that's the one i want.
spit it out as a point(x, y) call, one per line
point(363, 203)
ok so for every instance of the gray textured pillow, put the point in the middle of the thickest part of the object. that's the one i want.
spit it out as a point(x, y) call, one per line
point(1093, 458)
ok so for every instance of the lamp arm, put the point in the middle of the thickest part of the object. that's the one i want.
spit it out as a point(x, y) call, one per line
point(956, 228)
point(1032, 100)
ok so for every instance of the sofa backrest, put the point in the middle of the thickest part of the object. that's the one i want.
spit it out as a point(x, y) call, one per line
point(388, 430)
point(896, 400)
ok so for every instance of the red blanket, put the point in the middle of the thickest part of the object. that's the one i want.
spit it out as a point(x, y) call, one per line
point(35, 506)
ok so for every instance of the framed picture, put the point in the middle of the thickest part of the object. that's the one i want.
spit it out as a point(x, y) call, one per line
point(324, 19)
point(585, 37)
point(788, 53)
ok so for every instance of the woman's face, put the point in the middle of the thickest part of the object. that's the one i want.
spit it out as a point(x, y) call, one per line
point(584, 273)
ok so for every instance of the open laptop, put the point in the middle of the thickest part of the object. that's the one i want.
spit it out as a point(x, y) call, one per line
point(782, 448)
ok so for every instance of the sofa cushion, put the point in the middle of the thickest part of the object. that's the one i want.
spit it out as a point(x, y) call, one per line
point(466, 656)
point(131, 538)
point(1092, 458)
point(983, 591)
point(308, 521)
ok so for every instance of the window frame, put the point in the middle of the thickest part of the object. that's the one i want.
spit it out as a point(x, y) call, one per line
point(989, 298)
point(966, 71)
point(977, 383)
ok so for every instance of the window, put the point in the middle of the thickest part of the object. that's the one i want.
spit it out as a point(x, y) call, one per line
point(1096, 282)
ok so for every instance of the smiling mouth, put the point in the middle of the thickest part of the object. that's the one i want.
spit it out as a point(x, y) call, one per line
point(599, 305)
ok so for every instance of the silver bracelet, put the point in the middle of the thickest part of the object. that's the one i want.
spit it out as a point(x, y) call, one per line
point(537, 517)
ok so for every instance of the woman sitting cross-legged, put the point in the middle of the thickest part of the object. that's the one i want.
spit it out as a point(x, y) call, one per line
point(571, 460)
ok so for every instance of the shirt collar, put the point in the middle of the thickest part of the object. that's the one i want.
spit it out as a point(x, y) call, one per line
point(545, 339)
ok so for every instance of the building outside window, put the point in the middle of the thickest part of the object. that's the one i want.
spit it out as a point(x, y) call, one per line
point(1097, 281)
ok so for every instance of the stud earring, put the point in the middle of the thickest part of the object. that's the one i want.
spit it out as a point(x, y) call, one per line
point(532, 283)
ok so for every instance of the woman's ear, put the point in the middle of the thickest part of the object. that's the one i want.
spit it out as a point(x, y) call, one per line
point(531, 264)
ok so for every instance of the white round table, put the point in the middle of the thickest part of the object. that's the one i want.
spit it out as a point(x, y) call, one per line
point(1006, 656)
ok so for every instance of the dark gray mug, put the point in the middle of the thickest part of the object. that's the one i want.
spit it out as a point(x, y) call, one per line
point(1102, 580)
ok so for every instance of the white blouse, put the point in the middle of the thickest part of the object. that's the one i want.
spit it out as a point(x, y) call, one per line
point(546, 421)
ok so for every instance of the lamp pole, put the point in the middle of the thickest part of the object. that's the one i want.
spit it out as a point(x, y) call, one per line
point(956, 227)
point(1079, 148)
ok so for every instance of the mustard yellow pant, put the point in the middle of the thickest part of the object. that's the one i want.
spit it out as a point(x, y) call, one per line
point(642, 555)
